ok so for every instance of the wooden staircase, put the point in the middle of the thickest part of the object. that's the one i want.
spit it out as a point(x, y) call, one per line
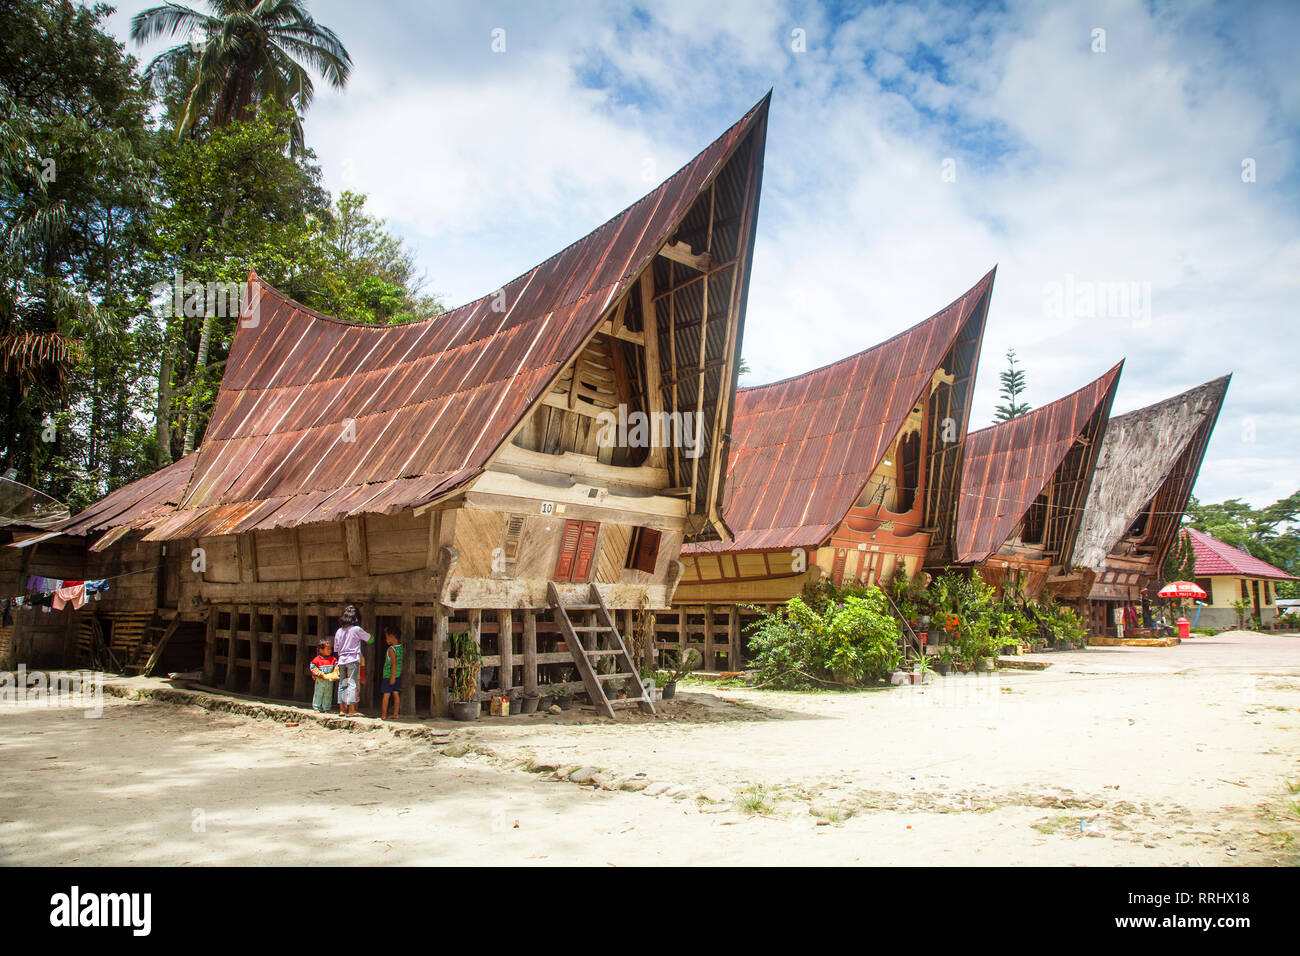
point(590, 644)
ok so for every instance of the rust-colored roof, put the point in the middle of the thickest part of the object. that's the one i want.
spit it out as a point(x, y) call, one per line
point(1009, 464)
point(1215, 557)
point(318, 419)
point(803, 448)
point(135, 505)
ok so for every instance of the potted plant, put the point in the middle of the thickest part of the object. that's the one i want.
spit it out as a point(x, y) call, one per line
point(528, 703)
point(920, 667)
point(464, 677)
point(676, 667)
point(560, 694)
point(516, 701)
point(943, 665)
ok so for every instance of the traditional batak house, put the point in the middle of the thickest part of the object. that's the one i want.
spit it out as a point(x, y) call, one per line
point(848, 472)
point(1145, 473)
point(1024, 486)
point(523, 468)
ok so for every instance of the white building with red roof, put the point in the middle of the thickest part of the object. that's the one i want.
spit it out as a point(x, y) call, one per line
point(1229, 574)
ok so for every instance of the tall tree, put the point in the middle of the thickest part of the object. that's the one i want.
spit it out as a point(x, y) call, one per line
point(75, 193)
point(244, 53)
point(1013, 383)
point(1180, 563)
point(1271, 533)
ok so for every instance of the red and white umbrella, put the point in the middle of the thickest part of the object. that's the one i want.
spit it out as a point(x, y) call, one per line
point(1182, 589)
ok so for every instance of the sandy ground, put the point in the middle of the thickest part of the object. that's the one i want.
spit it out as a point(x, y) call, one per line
point(1156, 756)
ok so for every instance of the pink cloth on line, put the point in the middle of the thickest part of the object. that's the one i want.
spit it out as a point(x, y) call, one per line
point(75, 595)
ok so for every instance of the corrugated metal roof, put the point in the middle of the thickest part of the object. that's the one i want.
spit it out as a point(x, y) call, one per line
point(318, 419)
point(1138, 455)
point(1215, 557)
point(803, 448)
point(1008, 465)
point(137, 504)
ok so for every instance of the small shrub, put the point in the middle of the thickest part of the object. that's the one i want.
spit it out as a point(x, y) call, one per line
point(855, 641)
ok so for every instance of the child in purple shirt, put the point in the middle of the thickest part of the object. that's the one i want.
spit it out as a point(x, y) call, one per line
point(347, 647)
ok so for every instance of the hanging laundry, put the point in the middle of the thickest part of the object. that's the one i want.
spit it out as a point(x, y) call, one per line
point(37, 583)
point(75, 595)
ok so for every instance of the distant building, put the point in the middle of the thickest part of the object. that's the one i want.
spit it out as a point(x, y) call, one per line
point(1228, 574)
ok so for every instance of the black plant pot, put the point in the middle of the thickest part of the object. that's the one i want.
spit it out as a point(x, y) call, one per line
point(942, 668)
point(670, 690)
point(465, 709)
point(528, 705)
point(516, 705)
point(565, 702)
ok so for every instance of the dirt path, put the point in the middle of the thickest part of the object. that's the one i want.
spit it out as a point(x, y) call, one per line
point(1159, 756)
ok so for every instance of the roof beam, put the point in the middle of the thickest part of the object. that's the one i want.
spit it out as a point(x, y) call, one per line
point(683, 252)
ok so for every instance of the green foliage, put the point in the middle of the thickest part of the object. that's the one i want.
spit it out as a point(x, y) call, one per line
point(854, 641)
point(1180, 563)
point(677, 665)
point(75, 181)
point(1243, 608)
point(1013, 383)
point(469, 661)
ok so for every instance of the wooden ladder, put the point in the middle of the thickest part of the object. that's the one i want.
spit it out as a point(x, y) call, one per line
point(589, 643)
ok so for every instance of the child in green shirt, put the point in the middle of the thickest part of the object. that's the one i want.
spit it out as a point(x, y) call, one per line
point(392, 682)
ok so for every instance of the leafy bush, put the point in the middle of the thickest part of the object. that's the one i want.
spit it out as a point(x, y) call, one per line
point(854, 641)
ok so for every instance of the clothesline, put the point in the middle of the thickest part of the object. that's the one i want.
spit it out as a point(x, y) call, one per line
point(59, 592)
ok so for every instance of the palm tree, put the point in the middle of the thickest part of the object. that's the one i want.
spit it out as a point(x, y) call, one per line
point(246, 52)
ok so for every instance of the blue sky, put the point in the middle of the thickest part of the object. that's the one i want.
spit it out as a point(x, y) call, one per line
point(911, 147)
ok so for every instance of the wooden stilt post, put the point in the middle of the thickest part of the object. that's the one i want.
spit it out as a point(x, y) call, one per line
point(735, 655)
point(210, 647)
point(232, 647)
point(709, 661)
point(476, 632)
point(275, 686)
point(530, 652)
point(299, 660)
point(506, 648)
point(408, 660)
point(370, 651)
point(439, 687)
point(255, 684)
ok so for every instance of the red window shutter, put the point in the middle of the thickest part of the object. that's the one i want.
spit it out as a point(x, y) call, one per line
point(568, 550)
point(647, 550)
point(837, 573)
point(586, 551)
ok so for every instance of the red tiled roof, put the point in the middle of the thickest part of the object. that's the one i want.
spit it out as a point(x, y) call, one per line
point(1007, 465)
point(1215, 557)
point(803, 448)
point(317, 419)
